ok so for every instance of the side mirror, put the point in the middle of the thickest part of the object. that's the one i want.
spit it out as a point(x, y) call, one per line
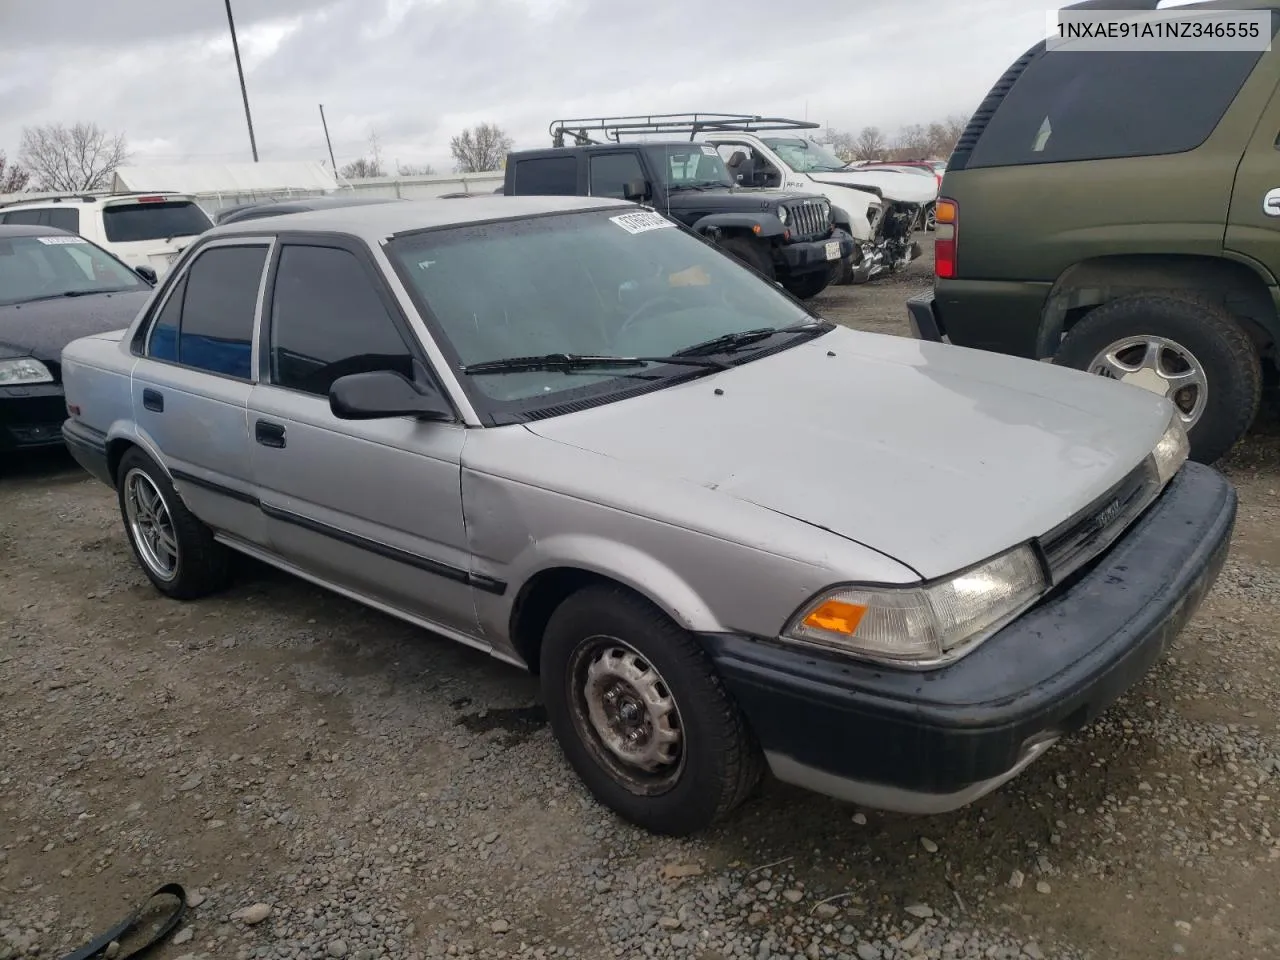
point(147, 273)
point(637, 191)
point(384, 393)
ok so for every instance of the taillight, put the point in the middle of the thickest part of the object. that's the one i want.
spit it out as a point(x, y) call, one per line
point(946, 224)
point(150, 199)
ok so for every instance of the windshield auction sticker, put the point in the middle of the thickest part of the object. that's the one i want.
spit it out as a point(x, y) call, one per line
point(50, 241)
point(642, 222)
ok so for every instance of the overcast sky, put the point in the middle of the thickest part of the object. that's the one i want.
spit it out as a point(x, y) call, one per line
point(416, 72)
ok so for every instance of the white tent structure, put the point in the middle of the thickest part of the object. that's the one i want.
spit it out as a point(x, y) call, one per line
point(222, 185)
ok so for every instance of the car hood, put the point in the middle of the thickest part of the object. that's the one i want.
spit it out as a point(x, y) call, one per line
point(42, 328)
point(937, 456)
point(731, 199)
point(903, 187)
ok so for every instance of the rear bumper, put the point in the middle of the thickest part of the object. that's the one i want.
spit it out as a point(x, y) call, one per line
point(924, 320)
point(89, 448)
point(31, 416)
point(1003, 316)
point(930, 742)
point(795, 258)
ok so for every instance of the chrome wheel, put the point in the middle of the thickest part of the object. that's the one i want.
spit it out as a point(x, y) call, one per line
point(150, 525)
point(930, 217)
point(626, 714)
point(1160, 365)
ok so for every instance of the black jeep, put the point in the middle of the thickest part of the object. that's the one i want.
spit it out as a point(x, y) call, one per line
point(790, 238)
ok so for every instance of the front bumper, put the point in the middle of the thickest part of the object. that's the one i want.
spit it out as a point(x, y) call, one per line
point(929, 742)
point(808, 256)
point(31, 416)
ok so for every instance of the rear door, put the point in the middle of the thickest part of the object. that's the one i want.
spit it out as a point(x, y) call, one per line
point(152, 230)
point(373, 506)
point(191, 387)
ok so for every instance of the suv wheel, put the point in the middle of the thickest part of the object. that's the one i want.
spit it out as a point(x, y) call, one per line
point(1192, 351)
point(642, 716)
point(750, 253)
point(928, 218)
point(809, 285)
point(175, 550)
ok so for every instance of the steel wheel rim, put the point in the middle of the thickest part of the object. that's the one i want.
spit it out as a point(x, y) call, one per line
point(625, 713)
point(1161, 366)
point(150, 524)
point(930, 217)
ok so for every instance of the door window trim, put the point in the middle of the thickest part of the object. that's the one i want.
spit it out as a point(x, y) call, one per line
point(141, 346)
point(395, 311)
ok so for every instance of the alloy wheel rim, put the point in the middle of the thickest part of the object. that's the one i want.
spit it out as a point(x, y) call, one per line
point(1160, 365)
point(151, 525)
point(627, 715)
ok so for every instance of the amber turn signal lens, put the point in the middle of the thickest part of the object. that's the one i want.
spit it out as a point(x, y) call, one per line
point(836, 616)
point(944, 211)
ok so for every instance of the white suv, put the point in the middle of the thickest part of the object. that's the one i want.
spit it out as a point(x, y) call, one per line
point(142, 229)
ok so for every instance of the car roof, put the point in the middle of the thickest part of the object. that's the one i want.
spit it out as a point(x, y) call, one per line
point(295, 205)
point(8, 230)
point(375, 221)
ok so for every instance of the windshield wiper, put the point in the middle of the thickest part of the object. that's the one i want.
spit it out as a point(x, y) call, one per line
point(580, 361)
point(730, 342)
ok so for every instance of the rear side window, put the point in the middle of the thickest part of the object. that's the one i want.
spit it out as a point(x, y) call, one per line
point(1092, 105)
point(327, 320)
point(547, 176)
point(134, 222)
point(64, 218)
point(212, 312)
point(27, 218)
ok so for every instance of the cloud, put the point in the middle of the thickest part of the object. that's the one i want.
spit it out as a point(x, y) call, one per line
point(416, 72)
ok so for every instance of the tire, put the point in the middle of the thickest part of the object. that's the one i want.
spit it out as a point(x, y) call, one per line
point(751, 253)
point(200, 565)
point(1210, 336)
point(809, 285)
point(713, 763)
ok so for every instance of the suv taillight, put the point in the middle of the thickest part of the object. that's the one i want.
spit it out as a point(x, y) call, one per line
point(946, 225)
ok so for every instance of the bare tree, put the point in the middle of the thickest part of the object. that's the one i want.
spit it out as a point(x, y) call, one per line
point(13, 178)
point(362, 167)
point(80, 157)
point(912, 143)
point(869, 145)
point(480, 149)
point(415, 169)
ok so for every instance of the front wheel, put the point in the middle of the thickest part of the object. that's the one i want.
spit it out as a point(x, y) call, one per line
point(809, 285)
point(641, 715)
point(1189, 350)
point(751, 253)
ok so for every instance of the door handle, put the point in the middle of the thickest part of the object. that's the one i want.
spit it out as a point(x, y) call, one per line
point(153, 400)
point(1271, 202)
point(269, 434)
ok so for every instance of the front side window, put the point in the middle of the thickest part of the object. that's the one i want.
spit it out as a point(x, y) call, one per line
point(42, 268)
point(213, 310)
point(327, 321)
point(611, 172)
point(153, 220)
point(612, 282)
point(692, 166)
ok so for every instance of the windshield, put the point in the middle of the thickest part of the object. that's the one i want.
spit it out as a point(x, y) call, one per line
point(38, 268)
point(611, 283)
point(132, 222)
point(805, 155)
point(694, 165)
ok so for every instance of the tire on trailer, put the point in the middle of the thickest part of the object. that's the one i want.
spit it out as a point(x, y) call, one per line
point(751, 253)
point(1160, 340)
point(176, 550)
point(642, 716)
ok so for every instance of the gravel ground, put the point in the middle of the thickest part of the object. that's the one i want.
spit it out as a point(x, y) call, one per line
point(327, 782)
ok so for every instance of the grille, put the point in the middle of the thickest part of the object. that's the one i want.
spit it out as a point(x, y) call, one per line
point(809, 218)
point(1073, 544)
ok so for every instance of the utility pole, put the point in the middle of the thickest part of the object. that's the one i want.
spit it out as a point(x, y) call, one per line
point(333, 163)
point(244, 93)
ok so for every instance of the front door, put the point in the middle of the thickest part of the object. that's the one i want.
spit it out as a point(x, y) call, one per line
point(374, 506)
point(1254, 224)
point(191, 387)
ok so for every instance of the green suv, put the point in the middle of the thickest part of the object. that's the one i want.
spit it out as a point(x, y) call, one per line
point(1119, 212)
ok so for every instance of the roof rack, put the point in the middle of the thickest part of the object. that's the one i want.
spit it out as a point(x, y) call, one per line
point(613, 129)
point(85, 196)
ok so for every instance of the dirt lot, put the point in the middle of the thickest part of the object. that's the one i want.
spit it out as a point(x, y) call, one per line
point(389, 794)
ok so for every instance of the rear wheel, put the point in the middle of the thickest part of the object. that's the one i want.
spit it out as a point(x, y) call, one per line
point(1190, 350)
point(751, 253)
point(175, 550)
point(642, 716)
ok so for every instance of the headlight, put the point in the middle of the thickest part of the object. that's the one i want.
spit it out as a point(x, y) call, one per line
point(23, 370)
point(782, 215)
point(922, 626)
point(1170, 453)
